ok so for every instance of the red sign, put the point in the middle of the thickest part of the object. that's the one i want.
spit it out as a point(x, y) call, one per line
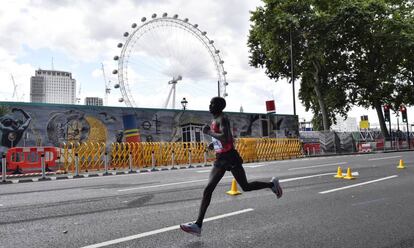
point(270, 106)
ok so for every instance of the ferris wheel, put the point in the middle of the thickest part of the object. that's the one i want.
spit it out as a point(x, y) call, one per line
point(165, 53)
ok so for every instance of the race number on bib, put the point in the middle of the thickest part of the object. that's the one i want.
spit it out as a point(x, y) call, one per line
point(217, 144)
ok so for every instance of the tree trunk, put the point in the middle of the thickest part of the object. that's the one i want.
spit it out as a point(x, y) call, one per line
point(318, 93)
point(381, 119)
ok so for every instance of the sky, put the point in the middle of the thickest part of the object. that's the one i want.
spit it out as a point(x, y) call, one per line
point(79, 36)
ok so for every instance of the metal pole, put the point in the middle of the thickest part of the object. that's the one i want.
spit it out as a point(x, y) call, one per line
point(292, 72)
point(3, 167)
point(389, 122)
point(153, 161)
point(42, 163)
point(205, 157)
point(76, 165)
point(218, 88)
point(408, 137)
point(130, 162)
point(106, 163)
point(173, 160)
point(189, 159)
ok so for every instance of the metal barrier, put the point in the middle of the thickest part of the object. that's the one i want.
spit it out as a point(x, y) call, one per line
point(140, 155)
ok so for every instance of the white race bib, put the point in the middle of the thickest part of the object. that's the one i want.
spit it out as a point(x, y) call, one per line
point(217, 144)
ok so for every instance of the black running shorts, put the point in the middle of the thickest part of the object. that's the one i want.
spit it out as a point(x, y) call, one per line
point(228, 160)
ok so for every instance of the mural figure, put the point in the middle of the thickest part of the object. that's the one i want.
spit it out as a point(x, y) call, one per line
point(68, 126)
point(12, 128)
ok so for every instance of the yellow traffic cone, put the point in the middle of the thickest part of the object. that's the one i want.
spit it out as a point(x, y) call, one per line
point(401, 165)
point(233, 190)
point(349, 174)
point(339, 173)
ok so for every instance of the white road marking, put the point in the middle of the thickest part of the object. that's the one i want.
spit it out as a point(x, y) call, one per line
point(167, 184)
point(305, 177)
point(315, 166)
point(368, 202)
point(165, 229)
point(1, 205)
point(203, 171)
point(254, 166)
point(358, 184)
point(373, 159)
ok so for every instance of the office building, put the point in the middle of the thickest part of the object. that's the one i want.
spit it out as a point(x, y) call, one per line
point(95, 101)
point(50, 86)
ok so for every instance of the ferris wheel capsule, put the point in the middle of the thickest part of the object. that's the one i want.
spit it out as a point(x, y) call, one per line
point(211, 41)
point(195, 25)
point(221, 62)
point(121, 99)
point(164, 15)
point(217, 51)
point(175, 16)
point(154, 16)
point(116, 86)
point(116, 57)
point(126, 34)
point(120, 45)
point(185, 20)
point(134, 25)
point(115, 72)
point(143, 19)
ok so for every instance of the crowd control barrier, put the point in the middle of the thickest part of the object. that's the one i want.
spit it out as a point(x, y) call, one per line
point(141, 155)
point(28, 159)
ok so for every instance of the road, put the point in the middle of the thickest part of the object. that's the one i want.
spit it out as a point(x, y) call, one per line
point(145, 209)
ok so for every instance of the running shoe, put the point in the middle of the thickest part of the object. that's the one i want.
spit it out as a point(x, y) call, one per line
point(276, 187)
point(191, 228)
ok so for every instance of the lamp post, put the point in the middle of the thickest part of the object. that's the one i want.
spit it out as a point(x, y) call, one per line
point(292, 72)
point(184, 103)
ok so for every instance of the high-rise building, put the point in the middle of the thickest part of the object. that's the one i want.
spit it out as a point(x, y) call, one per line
point(95, 101)
point(50, 86)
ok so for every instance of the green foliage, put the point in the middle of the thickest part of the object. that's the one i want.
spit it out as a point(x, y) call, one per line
point(4, 110)
point(345, 52)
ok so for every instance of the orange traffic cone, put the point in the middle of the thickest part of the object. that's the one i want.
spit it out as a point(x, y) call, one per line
point(339, 173)
point(401, 165)
point(233, 190)
point(349, 174)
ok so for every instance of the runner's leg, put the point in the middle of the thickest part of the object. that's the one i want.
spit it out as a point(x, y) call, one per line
point(215, 176)
point(240, 176)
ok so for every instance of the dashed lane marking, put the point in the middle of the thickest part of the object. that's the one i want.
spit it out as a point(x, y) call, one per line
point(373, 159)
point(358, 184)
point(167, 184)
point(165, 229)
point(315, 166)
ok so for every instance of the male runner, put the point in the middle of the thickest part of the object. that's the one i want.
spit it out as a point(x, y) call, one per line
point(227, 159)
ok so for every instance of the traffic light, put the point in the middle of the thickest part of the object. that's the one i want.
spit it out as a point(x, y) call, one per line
point(387, 112)
point(403, 110)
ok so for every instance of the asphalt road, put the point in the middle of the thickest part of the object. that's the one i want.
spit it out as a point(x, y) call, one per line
point(144, 210)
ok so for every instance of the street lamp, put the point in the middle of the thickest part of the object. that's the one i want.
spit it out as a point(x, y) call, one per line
point(184, 103)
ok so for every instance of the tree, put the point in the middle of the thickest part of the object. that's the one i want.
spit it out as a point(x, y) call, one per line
point(308, 25)
point(377, 37)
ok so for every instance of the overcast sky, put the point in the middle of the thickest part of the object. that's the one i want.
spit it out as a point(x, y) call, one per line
point(80, 35)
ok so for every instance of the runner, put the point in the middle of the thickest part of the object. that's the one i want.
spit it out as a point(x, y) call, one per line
point(227, 159)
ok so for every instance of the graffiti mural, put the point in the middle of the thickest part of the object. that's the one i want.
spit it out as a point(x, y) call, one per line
point(36, 124)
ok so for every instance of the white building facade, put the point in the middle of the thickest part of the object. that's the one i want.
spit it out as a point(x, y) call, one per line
point(50, 86)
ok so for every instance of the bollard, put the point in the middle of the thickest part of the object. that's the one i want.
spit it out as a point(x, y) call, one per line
point(42, 164)
point(153, 161)
point(106, 163)
point(76, 165)
point(189, 159)
point(3, 167)
point(130, 162)
point(173, 160)
point(313, 148)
